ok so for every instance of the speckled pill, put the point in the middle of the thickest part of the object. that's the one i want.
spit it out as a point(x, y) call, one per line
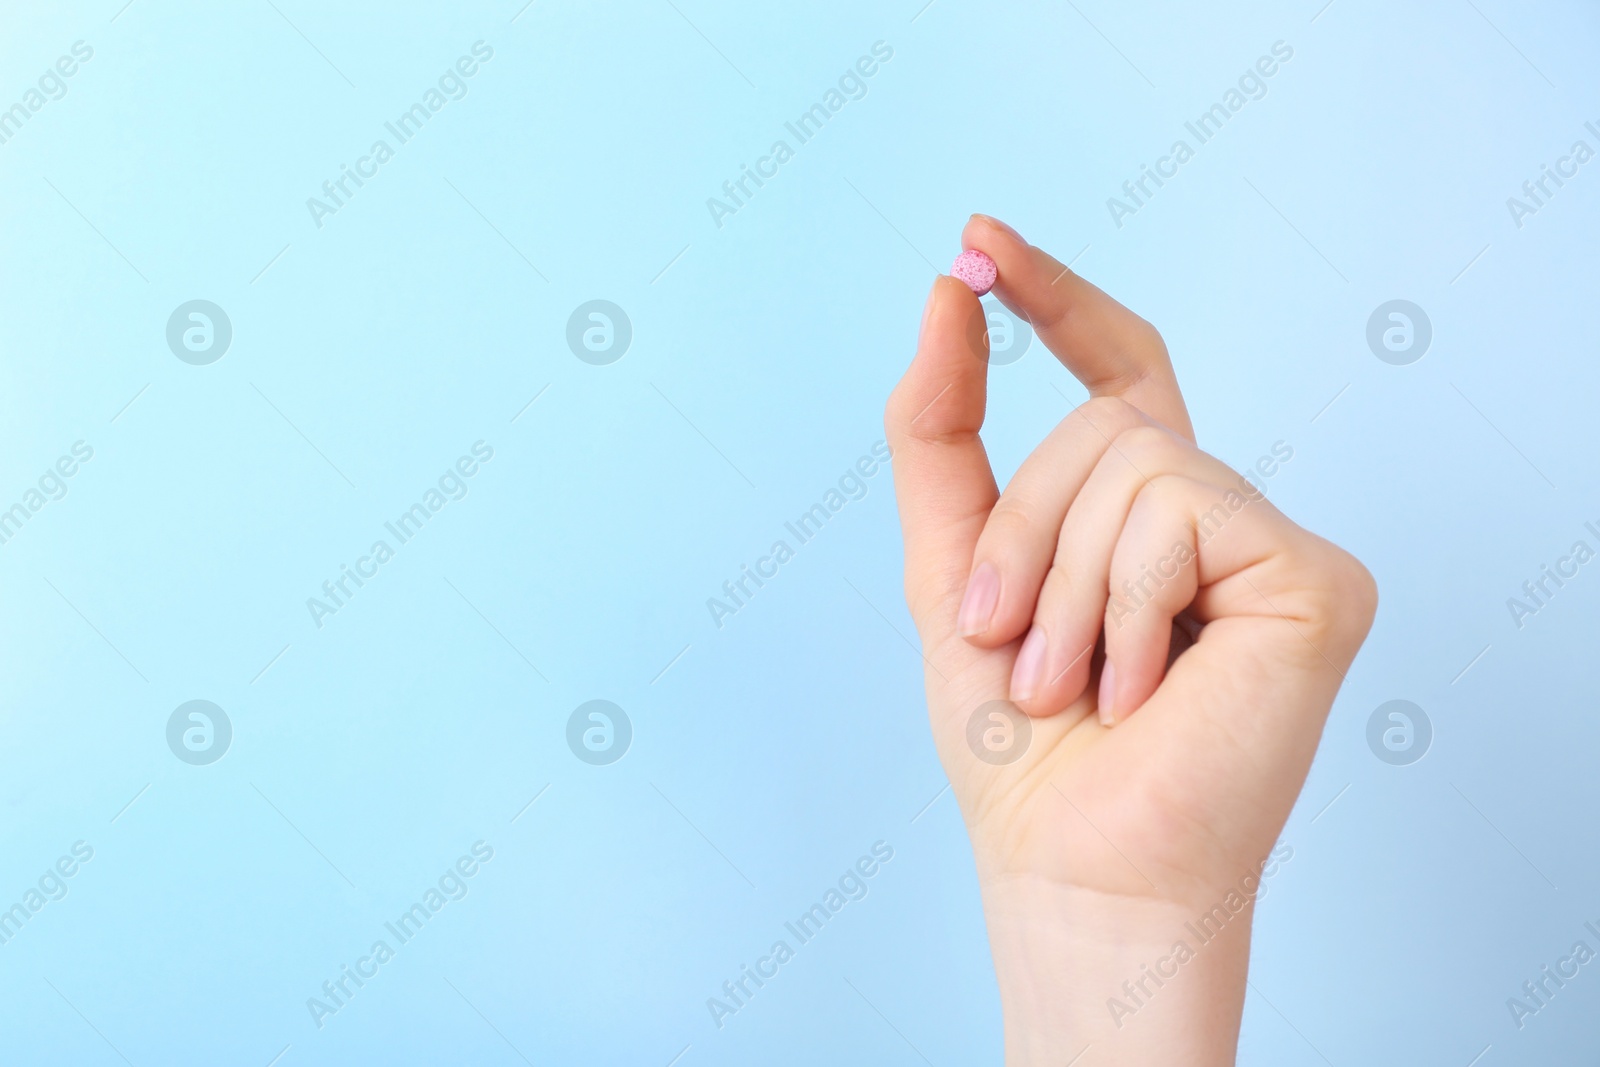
point(976, 269)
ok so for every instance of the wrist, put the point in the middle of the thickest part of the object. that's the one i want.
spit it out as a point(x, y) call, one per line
point(1119, 980)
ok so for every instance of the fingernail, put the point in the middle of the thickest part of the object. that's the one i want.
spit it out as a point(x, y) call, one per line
point(1108, 688)
point(1025, 676)
point(977, 606)
point(997, 224)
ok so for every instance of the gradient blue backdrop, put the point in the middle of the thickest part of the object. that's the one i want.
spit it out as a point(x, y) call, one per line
point(369, 353)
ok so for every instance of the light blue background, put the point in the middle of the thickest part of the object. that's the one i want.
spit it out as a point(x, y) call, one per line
point(768, 755)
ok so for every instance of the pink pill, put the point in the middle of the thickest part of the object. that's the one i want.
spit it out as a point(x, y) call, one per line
point(976, 269)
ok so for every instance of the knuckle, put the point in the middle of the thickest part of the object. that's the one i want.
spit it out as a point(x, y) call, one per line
point(905, 420)
point(1109, 408)
point(1056, 582)
point(1146, 337)
point(1169, 491)
point(1359, 588)
point(1145, 440)
point(1054, 315)
point(1341, 596)
point(1009, 523)
point(1107, 416)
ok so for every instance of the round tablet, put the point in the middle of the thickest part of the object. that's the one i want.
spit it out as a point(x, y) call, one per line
point(976, 269)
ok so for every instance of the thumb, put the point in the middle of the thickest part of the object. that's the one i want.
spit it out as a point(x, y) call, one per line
point(942, 478)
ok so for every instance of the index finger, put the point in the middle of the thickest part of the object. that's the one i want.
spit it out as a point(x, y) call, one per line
point(1108, 348)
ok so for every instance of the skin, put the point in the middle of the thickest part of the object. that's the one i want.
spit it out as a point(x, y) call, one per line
point(1152, 788)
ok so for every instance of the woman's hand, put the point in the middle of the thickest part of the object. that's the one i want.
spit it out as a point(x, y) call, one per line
point(1172, 641)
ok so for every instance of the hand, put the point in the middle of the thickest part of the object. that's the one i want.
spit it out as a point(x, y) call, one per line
point(1155, 784)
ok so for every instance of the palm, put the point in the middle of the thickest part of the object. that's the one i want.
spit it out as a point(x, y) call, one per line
point(1127, 812)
